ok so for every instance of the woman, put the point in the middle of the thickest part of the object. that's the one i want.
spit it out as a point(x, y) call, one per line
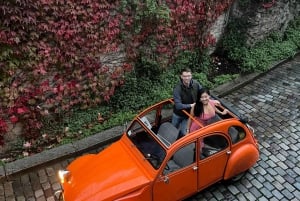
point(204, 110)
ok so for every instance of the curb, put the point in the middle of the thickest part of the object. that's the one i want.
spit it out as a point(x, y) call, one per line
point(110, 135)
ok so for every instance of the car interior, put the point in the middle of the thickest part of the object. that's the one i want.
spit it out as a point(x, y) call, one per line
point(158, 121)
point(182, 158)
point(212, 144)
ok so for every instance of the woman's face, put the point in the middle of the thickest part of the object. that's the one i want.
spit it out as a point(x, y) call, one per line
point(204, 98)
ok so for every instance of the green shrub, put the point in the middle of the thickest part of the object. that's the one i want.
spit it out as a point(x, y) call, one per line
point(266, 52)
point(202, 79)
point(147, 68)
point(221, 79)
point(145, 87)
point(233, 43)
point(134, 95)
point(195, 60)
point(293, 32)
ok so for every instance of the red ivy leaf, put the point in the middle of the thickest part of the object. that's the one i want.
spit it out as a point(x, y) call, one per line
point(3, 126)
point(22, 110)
point(14, 119)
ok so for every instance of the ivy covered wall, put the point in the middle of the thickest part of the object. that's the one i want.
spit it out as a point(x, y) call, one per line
point(57, 55)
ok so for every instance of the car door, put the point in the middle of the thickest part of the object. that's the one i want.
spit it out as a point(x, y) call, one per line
point(179, 178)
point(214, 154)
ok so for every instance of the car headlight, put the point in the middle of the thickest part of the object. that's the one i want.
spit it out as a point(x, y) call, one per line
point(59, 195)
point(64, 176)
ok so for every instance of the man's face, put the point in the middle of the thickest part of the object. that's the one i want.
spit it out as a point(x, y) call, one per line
point(186, 78)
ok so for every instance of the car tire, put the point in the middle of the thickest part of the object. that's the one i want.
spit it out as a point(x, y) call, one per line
point(236, 177)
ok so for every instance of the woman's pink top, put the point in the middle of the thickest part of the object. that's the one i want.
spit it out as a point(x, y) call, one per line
point(204, 118)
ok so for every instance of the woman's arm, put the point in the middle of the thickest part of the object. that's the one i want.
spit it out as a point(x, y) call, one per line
point(189, 122)
point(225, 111)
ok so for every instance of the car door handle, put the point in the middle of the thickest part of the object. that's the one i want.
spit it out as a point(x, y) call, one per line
point(195, 168)
point(165, 179)
point(228, 152)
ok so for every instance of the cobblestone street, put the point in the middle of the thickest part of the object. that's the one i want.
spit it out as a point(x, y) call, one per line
point(272, 103)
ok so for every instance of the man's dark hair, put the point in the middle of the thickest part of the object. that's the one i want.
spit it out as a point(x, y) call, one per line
point(186, 69)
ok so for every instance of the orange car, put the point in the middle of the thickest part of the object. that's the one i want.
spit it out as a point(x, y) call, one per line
point(150, 162)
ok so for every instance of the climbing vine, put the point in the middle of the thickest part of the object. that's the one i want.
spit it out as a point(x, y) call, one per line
point(51, 51)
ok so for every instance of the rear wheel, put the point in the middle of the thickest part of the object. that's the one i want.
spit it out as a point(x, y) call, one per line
point(238, 177)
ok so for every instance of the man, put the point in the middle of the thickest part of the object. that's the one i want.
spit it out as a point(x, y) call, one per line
point(185, 95)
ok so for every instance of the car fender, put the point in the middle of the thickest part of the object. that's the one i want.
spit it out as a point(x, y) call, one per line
point(142, 194)
point(241, 160)
point(81, 161)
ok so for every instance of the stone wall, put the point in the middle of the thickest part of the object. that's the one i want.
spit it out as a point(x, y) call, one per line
point(113, 59)
point(218, 27)
point(264, 20)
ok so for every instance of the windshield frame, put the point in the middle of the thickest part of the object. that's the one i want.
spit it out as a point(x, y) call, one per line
point(147, 143)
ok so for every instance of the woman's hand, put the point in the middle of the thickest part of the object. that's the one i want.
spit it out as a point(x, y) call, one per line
point(216, 102)
point(225, 111)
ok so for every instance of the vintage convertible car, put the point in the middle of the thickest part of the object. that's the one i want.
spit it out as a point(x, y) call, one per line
point(150, 161)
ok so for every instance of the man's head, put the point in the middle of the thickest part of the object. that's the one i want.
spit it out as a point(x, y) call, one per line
point(186, 76)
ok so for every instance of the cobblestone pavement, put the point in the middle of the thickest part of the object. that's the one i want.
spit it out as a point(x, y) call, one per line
point(273, 105)
point(272, 102)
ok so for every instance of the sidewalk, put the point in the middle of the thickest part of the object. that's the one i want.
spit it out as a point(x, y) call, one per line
point(105, 137)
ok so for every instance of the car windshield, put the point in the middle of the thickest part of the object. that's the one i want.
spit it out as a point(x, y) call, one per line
point(146, 144)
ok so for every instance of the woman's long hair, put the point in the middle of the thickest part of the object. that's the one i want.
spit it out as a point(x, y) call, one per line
point(199, 110)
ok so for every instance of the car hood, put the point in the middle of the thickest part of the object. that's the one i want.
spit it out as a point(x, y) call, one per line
point(105, 176)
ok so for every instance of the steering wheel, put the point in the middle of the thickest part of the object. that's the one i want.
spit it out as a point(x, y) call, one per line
point(153, 156)
point(154, 159)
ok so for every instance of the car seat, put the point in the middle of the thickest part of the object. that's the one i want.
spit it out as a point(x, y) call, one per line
point(182, 158)
point(168, 133)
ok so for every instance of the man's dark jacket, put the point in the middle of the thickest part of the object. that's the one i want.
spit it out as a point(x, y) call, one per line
point(184, 96)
